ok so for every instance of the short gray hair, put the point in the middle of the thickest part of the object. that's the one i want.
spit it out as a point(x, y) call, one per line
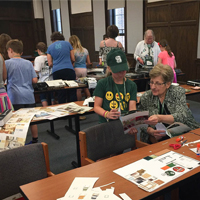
point(165, 71)
point(147, 33)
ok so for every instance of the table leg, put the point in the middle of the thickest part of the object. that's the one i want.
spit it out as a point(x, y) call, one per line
point(69, 127)
point(77, 129)
point(52, 131)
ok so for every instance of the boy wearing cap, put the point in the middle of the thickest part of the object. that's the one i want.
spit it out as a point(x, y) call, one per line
point(115, 94)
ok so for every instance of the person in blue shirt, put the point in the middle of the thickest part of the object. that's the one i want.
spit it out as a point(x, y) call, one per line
point(60, 56)
point(20, 76)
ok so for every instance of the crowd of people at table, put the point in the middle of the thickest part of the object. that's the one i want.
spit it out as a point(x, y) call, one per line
point(115, 95)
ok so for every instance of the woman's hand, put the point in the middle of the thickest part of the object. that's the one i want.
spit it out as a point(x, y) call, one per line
point(140, 60)
point(158, 134)
point(113, 114)
point(133, 131)
point(153, 120)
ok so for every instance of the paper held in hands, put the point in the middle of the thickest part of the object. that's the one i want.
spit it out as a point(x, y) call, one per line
point(134, 120)
point(161, 127)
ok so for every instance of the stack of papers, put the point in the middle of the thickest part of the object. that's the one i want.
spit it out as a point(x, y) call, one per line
point(71, 83)
point(82, 188)
point(92, 83)
point(56, 83)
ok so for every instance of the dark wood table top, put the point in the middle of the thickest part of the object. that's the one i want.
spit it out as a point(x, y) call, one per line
point(189, 87)
point(53, 89)
point(55, 187)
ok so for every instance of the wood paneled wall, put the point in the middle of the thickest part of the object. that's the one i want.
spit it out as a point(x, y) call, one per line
point(177, 21)
point(82, 25)
point(16, 19)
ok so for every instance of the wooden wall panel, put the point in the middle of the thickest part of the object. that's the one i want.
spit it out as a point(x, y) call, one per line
point(16, 19)
point(24, 32)
point(197, 64)
point(39, 31)
point(82, 25)
point(158, 14)
point(184, 11)
point(184, 48)
point(178, 22)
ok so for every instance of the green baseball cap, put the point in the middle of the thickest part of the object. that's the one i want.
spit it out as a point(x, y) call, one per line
point(116, 60)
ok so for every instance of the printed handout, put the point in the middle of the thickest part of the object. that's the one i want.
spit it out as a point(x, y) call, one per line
point(155, 170)
point(82, 188)
point(134, 120)
point(13, 133)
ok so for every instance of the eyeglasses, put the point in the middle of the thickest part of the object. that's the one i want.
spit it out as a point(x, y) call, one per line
point(157, 84)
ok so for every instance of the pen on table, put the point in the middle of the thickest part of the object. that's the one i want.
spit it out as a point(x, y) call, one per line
point(183, 142)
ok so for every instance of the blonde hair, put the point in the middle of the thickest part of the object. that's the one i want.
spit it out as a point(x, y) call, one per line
point(75, 42)
point(162, 70)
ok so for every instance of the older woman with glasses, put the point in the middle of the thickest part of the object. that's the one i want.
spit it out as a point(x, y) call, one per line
point(166, 103)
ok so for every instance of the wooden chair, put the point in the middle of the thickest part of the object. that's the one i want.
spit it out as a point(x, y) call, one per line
point(21, 166)
point(103, 140)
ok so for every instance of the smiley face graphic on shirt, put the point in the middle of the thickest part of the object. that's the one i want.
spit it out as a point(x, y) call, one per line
point(117, 96)
point(113, 105)
point(127, 97)
point(109, 95)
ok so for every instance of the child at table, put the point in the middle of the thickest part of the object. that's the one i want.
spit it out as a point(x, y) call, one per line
point(115, 94)
point(20, 76)
point(45, 72)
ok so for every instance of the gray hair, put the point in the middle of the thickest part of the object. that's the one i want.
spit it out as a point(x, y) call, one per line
point(165, 71)
point(149, 32)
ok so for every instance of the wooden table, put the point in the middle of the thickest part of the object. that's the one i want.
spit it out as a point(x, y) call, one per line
point(49, 90)
point(189, 87)
point(56, 186)
point(196, 131)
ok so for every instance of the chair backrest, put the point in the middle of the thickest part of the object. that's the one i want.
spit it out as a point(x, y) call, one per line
point(20, 166)
point(105, 139)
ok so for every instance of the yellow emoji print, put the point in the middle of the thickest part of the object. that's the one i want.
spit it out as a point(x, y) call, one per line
point(109, 96)
point(124, 105)
point(117, 96)
point(127, 97)
point(113, 105)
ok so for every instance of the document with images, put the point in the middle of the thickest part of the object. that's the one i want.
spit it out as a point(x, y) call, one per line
point(154, 171)
point(13, 133)
point(134, 120)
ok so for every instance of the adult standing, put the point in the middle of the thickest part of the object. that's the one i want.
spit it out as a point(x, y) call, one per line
point(146, 52)
point(60, 56)
point(108, 44)
point(82, 59)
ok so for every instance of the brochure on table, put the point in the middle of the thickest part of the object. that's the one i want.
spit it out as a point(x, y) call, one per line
point(158, 169)
point(13, 133)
